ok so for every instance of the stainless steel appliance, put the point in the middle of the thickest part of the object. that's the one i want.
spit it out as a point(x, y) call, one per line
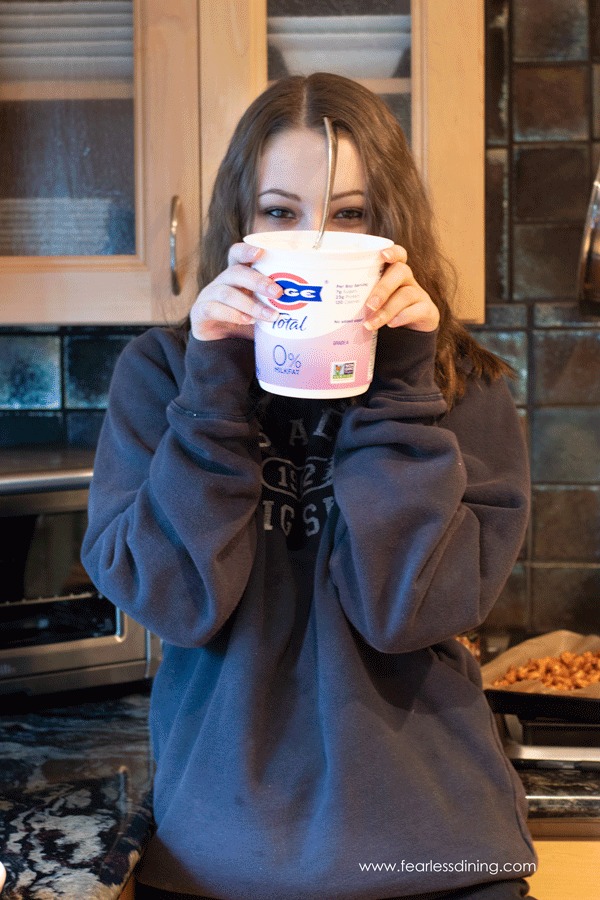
point(554, 743)
point(548, 730)
point(56, 631)
point(551, 743)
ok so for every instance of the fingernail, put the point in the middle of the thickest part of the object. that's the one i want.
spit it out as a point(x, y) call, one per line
point(269, 315)
point(375, 322)
point(388, 254)
point(374, 302)
point(273, 290)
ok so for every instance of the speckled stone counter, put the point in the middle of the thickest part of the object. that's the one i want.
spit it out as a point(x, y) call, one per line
point(75, 809)
point(75, 806)
point(563, 802)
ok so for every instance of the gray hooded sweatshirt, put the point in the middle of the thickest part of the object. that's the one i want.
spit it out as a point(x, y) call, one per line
point(319, 734)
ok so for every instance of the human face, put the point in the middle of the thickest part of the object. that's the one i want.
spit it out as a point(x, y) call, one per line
point(291, 184)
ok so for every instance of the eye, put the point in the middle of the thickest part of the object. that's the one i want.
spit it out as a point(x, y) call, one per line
point(350, 213)
point(277, 212)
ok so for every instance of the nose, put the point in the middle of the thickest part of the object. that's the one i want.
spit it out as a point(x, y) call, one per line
point(312, 221)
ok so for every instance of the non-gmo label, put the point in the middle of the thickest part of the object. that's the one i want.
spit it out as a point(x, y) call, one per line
point(343, 371)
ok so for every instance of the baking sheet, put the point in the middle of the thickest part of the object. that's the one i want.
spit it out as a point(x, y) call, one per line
point(532, 698)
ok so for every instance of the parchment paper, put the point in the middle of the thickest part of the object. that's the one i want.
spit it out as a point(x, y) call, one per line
point(551, 644)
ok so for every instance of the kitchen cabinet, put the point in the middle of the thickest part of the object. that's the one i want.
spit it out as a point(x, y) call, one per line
point(444, 87)
point(448, 62)
point(139, 98)
point(195, 65)
point(566, 868)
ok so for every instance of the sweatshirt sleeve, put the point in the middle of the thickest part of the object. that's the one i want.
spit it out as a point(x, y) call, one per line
point(431, 505)
point(171, 535)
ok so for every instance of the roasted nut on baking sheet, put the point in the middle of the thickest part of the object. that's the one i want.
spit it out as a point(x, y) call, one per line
point(566, 672)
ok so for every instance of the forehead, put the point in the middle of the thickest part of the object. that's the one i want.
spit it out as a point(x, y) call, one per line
point(296, 160)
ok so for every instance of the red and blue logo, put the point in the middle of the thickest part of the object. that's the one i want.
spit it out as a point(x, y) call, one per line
point(296, 291)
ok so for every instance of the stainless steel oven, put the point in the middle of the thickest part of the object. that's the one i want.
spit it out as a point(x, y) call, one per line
point(56, 631)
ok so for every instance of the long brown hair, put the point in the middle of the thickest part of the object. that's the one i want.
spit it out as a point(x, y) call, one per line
point(397, 206)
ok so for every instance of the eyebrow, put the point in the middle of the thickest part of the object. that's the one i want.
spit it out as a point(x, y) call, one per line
point(289, 196)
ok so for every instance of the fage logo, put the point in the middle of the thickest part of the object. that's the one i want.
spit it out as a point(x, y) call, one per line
point(296, 291)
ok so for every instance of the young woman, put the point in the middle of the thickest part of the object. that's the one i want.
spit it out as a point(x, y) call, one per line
point(318, 731)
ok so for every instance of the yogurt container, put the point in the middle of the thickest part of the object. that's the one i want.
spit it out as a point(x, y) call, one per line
point(317, 347)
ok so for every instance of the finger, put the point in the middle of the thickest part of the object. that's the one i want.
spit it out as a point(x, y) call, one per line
point(420, 316)
point(243, 253)
point(410, 306)
point(400, 299)
point(225, 321)
point(395, 276)
point(207, 331)
point(224, 296)
point(396, 253)
point(239, 276)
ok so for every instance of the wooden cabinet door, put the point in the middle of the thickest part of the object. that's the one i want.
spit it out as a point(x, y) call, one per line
point(448, 129)
point(566, 868)
point(196, 66)
point(157, 86)
point(439, 99)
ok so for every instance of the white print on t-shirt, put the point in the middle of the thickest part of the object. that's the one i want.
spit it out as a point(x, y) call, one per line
point(297, 496)
point(282, 477)
point(327, 428)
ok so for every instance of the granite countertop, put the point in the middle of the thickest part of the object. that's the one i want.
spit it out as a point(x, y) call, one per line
point(75, 810)
point(563, 802)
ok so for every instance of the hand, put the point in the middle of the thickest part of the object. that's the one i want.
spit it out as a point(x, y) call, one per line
point(397, 298)
point(228, 307)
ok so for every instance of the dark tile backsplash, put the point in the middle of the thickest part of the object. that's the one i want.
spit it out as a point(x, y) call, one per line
point(542, 127)
point(594, 13)
point(566, 366)
point(565, 597)
point(30, 372)
point(497, 65)
point(67, 370)
point(544, 260)
point(558, 512)
point(88, 364)
point(551, 183)
point(550, 103)
point(550, 30)
point(542, 152)
point(497, 231)
point(565, 445)
point(19, 429)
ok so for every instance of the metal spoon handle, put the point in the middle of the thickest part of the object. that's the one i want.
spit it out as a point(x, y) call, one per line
point(331, 163)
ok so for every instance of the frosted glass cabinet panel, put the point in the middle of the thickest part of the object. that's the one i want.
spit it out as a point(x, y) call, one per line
point(95, 144)
point(66, 128)
point(367, 42)
point(425, 58)
point(105, 170)
point(111, 109)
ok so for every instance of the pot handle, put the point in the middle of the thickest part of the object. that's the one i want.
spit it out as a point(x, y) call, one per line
point(174, 224)
point(588, 276)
